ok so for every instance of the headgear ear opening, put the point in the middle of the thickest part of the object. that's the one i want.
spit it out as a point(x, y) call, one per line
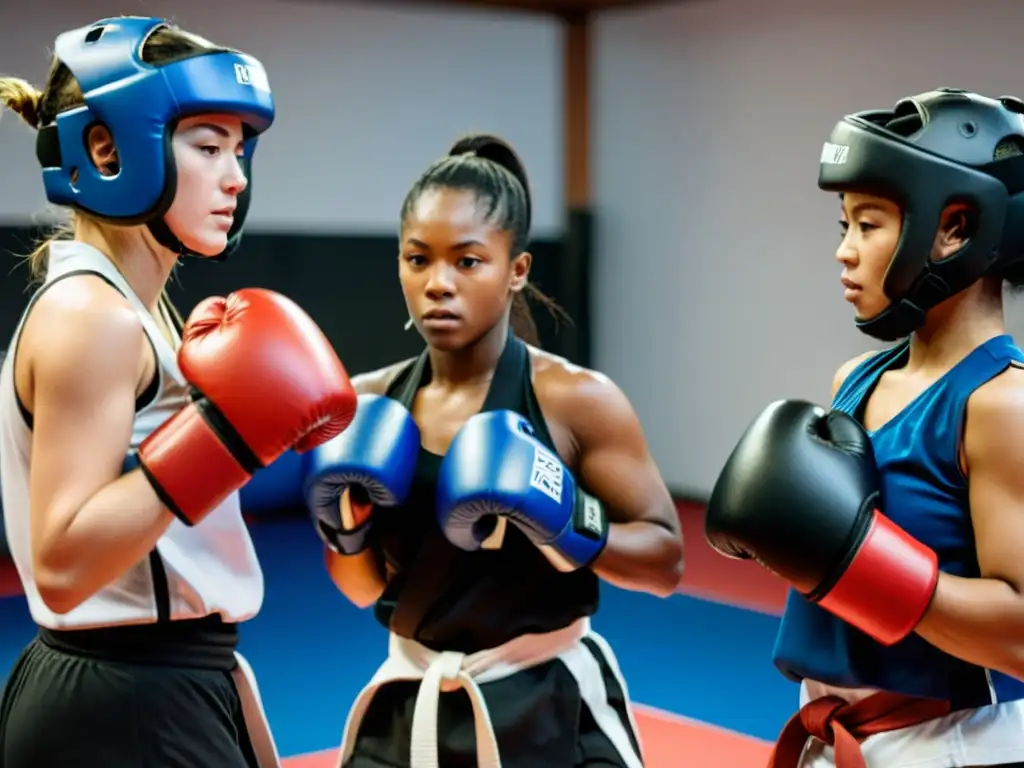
point(141, 104)
point(932, 150)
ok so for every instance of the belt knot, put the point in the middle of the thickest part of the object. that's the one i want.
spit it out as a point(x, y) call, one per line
point(844, 726)
point(449, 665)
point(820, 716)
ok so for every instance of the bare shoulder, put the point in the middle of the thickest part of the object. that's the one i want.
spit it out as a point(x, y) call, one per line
point(847, 368)
point(995, 415)
point(82, 325)
point(377, 382)
point(575, 395)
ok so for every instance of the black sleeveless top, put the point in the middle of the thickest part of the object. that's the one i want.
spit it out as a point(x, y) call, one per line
point(452, 600)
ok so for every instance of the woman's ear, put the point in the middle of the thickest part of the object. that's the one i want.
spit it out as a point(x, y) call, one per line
point(102, 150)
point(956, 225)
point(521, 271)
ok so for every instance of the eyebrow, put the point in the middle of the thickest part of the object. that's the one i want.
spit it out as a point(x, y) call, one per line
point(867, 206)
point(218, 129)
point(462, 245)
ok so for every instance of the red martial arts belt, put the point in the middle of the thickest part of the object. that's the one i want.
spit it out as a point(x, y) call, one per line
point(844, 726)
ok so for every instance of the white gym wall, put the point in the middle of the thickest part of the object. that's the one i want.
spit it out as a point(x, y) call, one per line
point(715, 286)
point(716, 289)
point(367, 96)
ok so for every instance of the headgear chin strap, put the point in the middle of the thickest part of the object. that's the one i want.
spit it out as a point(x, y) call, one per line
point(932, 150)
point(141, 104)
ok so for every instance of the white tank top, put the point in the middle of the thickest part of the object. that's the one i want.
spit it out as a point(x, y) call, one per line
point(210, 568)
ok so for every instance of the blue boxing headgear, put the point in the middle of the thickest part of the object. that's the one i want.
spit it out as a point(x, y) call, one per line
point(937, 148)
point(140, 104)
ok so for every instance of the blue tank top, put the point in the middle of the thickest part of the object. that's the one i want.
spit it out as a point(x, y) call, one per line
point(924, 492)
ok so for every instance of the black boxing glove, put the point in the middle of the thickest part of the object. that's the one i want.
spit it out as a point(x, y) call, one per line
point(800, 496)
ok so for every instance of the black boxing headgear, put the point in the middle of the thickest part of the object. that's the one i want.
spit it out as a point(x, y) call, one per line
point(938, 148)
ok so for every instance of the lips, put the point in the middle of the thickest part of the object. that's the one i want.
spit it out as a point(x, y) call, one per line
point(849, 284)
point(440, 314)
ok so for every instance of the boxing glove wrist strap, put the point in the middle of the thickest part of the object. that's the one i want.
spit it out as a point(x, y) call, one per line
point(189, 466)
point(888, 584)
point(584, 537)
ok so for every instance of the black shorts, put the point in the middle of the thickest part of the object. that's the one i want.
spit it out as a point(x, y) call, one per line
point(540, 716)
point(61, 710)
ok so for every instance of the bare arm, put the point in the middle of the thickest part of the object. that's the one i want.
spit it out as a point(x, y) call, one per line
point(89, 523)
point(981, 620)
point(645, 546)
point(359, 577)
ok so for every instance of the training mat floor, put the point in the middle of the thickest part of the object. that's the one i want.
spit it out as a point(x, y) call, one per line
point(699, 670)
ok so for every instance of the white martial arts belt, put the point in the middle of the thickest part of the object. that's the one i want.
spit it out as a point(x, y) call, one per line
point(252, 712)
point(450, 671)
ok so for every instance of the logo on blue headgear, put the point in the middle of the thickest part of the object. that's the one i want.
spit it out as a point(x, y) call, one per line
point(140, 104)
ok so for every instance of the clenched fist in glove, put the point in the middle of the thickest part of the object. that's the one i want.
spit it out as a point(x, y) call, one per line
point(371, 464)
point(264, 379)
point(800, 495)
point(496, 468)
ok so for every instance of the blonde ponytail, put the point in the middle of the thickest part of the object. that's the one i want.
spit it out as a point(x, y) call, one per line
point(21, 97)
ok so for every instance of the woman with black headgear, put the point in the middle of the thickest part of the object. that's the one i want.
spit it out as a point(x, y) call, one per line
point(125, 437)
point(898, 515)
point(485, 487)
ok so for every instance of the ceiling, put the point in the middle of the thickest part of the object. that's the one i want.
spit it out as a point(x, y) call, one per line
point(558, 7)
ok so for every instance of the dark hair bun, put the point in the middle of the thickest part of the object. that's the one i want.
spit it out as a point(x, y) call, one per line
point(497, 150)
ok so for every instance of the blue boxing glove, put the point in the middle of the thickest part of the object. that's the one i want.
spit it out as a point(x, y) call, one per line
point(495, 467)
point(369, 464)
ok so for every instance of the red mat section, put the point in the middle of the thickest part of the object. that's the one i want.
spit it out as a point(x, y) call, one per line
point(709, 575)
point(668, 740)
point(9, 583)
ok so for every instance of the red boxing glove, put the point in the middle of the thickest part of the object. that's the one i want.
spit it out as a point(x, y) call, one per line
point(798, 495)
point(265, 379)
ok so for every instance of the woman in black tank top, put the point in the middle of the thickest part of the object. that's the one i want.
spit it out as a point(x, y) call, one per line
point(463, 267)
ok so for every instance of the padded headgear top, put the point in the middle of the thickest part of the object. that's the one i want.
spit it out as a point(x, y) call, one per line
point(941, 147)
point(140, 104)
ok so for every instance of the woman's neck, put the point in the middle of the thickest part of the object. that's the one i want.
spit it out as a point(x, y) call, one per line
point(145, 265)
point(474, 364)
point(957, 326)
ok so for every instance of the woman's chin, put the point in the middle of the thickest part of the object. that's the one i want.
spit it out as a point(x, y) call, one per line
point(866, 310)
point(207, 245)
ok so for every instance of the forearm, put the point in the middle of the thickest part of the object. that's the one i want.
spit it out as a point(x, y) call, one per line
point(643, 557)
point(978, 620)
point(358, 577)
point(109, 534)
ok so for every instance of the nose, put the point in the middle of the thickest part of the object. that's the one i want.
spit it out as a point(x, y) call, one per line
point(235, 180)
point(846, 254)
point(440, 282)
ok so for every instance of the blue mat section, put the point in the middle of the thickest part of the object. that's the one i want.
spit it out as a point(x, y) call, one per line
point(313, 651)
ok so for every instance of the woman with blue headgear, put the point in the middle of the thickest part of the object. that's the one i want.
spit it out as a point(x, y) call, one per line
point(125, 435)
point(897, 516)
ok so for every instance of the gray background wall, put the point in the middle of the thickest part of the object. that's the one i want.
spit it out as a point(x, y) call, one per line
point(367, 96)
point(716, 288)
point(714, 285)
